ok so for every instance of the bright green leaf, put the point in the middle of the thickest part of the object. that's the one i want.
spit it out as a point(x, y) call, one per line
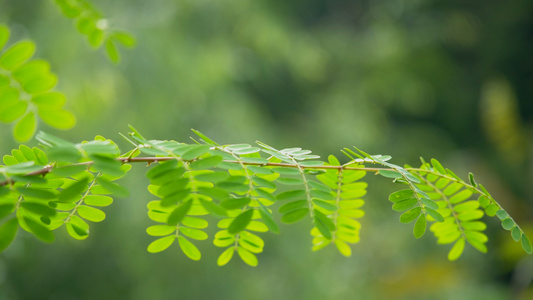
point(246, 256)
point(526, 244)
point(17, 54)
point(25, 128)
point(420, 227)
point(161, 244)
point(435, 214)
point(226, 256)
point(295, 215)
point(240, 222)
point(8, 230)
point(90, 213)
point(456, 250)
point(112, 51)
point(410, 215)
point(189, 248)
point(73, 192)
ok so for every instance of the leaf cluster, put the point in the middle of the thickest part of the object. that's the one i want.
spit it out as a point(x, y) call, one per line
point(243, 189)
point(95, 27)
point(26, 90)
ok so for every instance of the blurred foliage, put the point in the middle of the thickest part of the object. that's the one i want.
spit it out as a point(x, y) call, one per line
point(410, 77)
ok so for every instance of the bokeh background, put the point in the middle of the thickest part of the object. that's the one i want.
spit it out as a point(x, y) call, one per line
point(450, 79)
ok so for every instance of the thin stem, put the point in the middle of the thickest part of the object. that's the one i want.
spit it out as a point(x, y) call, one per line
point(82, 198)
point(47, 169)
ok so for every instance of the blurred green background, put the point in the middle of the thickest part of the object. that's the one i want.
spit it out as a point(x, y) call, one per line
point(446, 79)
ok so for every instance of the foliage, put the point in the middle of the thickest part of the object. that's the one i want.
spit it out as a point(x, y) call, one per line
point(95, 27)
point(66, 184)
point(26, 90)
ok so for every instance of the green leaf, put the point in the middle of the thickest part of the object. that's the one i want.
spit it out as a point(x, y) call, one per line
point(25, 127)
point(8, 95)
point(73, 192)
point(436, 164)
point(206, 163)
point(212, 208)
point(69, 170)
point(405, 204)
point(290, 181)
point(471, 178)
point(286, 171)
point(295, 215)
point(325, 205)
point(107, 165)
point(194, 222)
point(435, 214)
point(31, 71)
point(225, 256)
point(22, 168)
point(124, 38)
point(461, 196)
point(96, 38)
point(41, 84)
point(287, 207)
point(526, 244)
point(57, 118)
point(189, 248)
point(98, 200)
point(8, 230)
point(90, 213)
point(204, 137)
point(401, 195)
point(17, 54)
point(420, 227)
point(162, 168)
point(289, 195)
point(13, 112)
point(268, 219)
point(4, 35)
point(39, 230)
point(6, 208)
point(212, 177)
point(235, 203)
point(36, 193)
point(179, 213)
point(483, 201)
point(263, 182)
point(508, 224)
point(322, 195)
point(310, 164)
point(160, 230)
point(456, 250)
point(112, 52)
point(195, 151)
point(38, 208)
point(390, 174)
point(516, 234)
point(77, 228)
point(502, 214)
point(410, 215)
point(324, 224)
point(161, 244)
point(343, 247)
point(491, 210)
point(194, 233)
point(246, 256)
point(234, 187)
point(241, 221)
point(27, 152)
point(112, 187)
point(49, 100)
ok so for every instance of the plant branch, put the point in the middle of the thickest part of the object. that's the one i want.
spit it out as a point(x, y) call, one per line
point(152, 159)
